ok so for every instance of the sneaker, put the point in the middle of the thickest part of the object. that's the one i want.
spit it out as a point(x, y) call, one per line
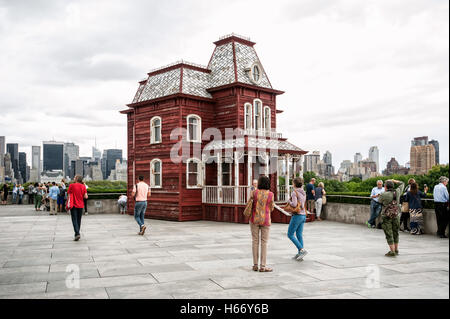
point(369, 225)
point(390, 254)
point(143, 229)
point(396, 253)
point(296, 256)
point(302, 254)
point(86, 213)
point(77, 238)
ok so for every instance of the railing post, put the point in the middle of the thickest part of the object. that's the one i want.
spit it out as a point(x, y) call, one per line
point(236, 178)
point(287, 184)
point(219, 179)
point(249, 172)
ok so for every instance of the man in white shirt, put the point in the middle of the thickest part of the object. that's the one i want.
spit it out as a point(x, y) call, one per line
point(375, 206)
point(141, 192)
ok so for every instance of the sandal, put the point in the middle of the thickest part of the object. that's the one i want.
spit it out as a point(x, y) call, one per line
point(255, 268)
point(265, 269)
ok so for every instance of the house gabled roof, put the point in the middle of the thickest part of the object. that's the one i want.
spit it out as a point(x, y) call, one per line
point(230, 63)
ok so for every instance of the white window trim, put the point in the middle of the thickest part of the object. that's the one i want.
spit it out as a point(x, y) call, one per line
point(261, 115)
point(199, 128)
point(260, 73)
point(152, 136)
point(267, 129)
point(199, 174)
point(246, 114)
point(152, 176)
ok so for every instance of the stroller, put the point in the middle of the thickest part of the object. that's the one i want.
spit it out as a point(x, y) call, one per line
point(45, 204)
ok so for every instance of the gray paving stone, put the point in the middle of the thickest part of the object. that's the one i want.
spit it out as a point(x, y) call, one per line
point(209, 260)
point(89, 283)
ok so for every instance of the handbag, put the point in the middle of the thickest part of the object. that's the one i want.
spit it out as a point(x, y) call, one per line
point(293, 210)
point(324, 199)
point(249, 207)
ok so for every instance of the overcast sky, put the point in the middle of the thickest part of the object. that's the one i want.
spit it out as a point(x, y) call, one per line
point(356, 73)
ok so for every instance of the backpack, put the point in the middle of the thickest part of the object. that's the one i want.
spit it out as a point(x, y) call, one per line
point(391, 211)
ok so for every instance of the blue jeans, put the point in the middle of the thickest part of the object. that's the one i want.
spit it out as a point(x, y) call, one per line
point(76, 214)
point(296, 227)
point(14, 199)
point(139, 212)
point(375, 210)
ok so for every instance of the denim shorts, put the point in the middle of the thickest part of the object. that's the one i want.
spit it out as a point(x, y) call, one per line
point(60, 200)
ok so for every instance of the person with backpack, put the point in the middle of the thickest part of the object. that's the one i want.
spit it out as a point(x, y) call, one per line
point(141, 192)
point(390, 200)
point(414, 198)
point(298, 219)
point(61, 198)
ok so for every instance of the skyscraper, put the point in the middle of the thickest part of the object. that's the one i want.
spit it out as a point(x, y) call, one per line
point(53, 155)
point(436, 149)
point(23, 167)
point(422, 159)
point(2, 151)
point(36, 167)
point(358, 158)
point(327, 158)
point(374, 156)
point(110, 162)
point(71, 153)
point(96, 154)
point(13, 150)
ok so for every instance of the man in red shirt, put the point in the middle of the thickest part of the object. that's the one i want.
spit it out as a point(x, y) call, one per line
point(78, 192)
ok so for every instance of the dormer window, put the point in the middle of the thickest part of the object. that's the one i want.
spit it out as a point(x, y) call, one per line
point(255, 73)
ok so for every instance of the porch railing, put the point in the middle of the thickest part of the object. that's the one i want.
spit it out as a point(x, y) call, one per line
point(237, 195)
point(261, 132)
point(282, 195)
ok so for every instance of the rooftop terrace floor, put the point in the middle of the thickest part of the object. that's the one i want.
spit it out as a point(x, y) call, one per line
point(209, 260)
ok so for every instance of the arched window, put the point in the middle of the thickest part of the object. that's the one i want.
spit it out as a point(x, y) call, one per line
point(193, 173)
point(266, 121)
point(257, 104)
point(156, 173)
point(155, 130)
point(194, 127)
point(248, 116)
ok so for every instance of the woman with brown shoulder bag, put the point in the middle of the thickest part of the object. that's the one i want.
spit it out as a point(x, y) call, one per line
point(296, 206)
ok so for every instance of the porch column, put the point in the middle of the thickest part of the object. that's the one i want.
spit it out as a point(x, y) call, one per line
point(266, 159)
point(288, 159)
point(236, 178)
point(219, 178)
point(249, 172)
point(301, 166)
point(204, 178)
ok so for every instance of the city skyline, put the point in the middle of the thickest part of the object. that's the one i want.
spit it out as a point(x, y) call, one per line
point(368, 81)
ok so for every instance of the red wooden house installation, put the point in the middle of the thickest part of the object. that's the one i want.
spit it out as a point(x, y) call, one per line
point(213, 178)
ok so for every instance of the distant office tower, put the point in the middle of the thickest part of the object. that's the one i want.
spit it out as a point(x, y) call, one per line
point(13, 150)
point(96, 154)
point(358, 158)
point(53, 155)
point(36, 164)
point(23, 167)
point(2, 151)
point(374, 156)
point(71, 153)
point(436, 149)
point(36, 158)
point(422, 159)
point(420, 141)
point(9, 172)
point(311, 162)
point(110, 161)
point(327, 158)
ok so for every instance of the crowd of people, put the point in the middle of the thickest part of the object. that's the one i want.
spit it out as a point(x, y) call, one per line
point(50, 196)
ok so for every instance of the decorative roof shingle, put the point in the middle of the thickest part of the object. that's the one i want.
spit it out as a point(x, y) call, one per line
point(230, 63)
